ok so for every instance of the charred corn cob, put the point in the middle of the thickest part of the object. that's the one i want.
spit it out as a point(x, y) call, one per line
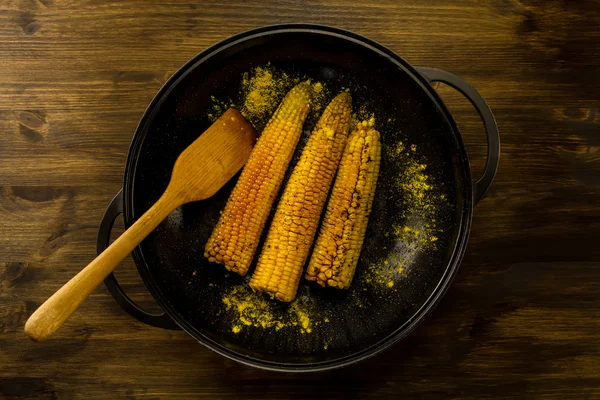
point(234, 239)
point(340, 239)
point(294, 225)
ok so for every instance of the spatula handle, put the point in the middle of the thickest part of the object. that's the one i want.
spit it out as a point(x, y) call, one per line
point(54, 312)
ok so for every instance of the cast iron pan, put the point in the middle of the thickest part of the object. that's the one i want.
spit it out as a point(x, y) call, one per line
point(407, 109)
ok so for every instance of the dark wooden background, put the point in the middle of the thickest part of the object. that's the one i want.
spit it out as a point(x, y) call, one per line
point(522, 319)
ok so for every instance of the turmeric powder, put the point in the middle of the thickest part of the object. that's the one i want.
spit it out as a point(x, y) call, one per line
point(419, 198)
point(249, 309)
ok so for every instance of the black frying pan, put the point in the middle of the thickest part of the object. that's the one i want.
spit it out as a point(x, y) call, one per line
point(408, 110)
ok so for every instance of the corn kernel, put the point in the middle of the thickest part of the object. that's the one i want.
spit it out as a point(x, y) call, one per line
point(340, 239)
point(242, 221)
point(302, 203)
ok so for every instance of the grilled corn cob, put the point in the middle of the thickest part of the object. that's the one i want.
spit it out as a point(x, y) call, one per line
point(294, 225)
point(340, 239)
point(234, 239)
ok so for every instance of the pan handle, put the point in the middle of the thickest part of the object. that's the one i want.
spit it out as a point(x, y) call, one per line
point(158, 320)
point(489, 122)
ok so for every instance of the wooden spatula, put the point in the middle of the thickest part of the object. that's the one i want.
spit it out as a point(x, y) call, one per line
point(199, 172)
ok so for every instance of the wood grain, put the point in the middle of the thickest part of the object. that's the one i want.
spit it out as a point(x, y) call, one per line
point(522, 317)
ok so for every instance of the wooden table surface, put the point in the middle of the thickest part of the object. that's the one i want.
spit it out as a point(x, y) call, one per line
point(522, 319)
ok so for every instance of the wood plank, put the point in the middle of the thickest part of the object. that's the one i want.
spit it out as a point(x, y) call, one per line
point(522, 316)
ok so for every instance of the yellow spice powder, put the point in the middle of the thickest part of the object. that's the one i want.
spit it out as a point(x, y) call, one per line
point(261, 94)
point(249, 309)
point(385, 273)
point(419, 197)
point(261, 91)
point(302, 317)
point(415, 184)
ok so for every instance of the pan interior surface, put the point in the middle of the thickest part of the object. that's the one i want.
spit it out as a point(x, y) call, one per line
point(345, 324)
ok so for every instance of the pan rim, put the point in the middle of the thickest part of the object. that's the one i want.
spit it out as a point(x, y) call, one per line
point(464, 220)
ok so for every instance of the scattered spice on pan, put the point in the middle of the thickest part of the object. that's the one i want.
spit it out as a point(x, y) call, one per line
point(249, 309)
point(420, 203)
point(261, 90)
point(302, 317)
point(385, 273)
point(246, 309)
point(419, 199)
point(218, 108)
